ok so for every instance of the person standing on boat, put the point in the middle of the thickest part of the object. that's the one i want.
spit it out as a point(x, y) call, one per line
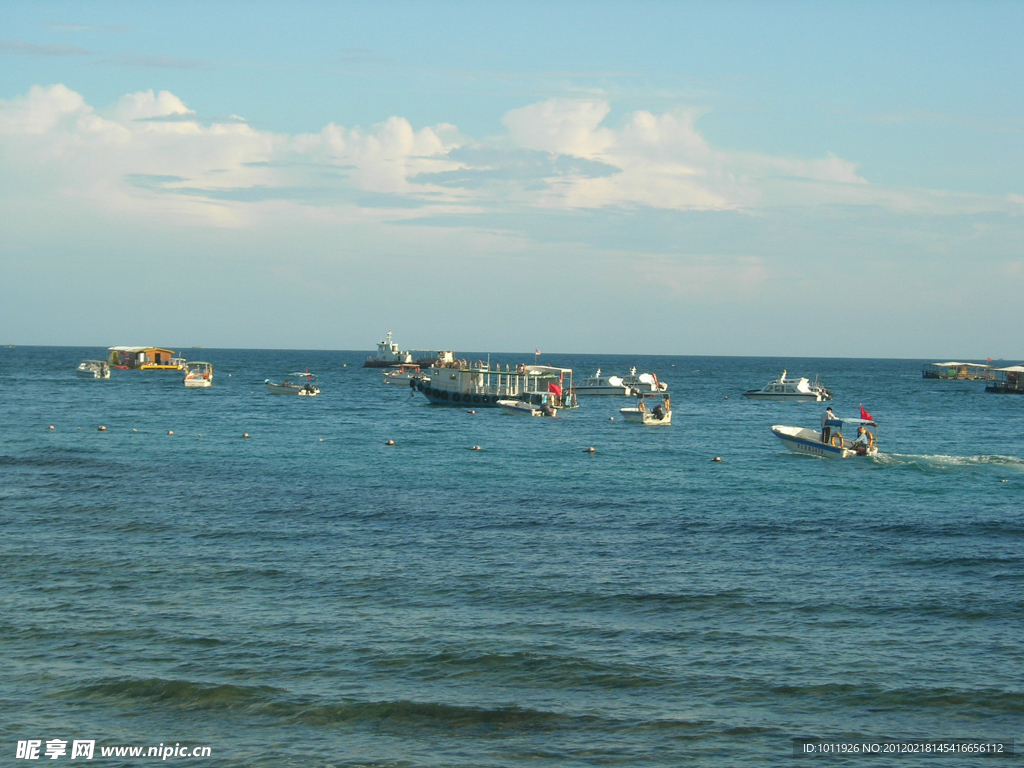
point(826, 430)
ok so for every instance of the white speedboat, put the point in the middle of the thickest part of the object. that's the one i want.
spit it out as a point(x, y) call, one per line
point(621, 385)
point(198, 374)
point(658, 412)
point(402, 375)
point(808, 441)
point(307, 388)
point(531, 404)
point(93, 369)
point(801, 390)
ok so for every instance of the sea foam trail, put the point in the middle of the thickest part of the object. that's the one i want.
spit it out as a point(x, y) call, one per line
point(940, 461)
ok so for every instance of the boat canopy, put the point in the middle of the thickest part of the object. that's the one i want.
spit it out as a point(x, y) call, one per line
point(1013, 369)
point(838, 422)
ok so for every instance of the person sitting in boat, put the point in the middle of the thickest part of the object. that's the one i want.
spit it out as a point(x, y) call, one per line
point(862, 442)
point(659, 412)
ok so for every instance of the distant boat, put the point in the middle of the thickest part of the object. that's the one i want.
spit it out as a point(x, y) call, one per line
point(198, 374)
point(93, 369)
point(790, 389)
point(621, 386)
point(388, 354)
point(286, 387)
point(145, 359)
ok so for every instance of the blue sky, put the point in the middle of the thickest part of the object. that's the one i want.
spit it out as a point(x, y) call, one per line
point(738, 178)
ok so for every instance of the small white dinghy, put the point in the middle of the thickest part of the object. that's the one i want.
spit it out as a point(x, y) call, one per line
point(657, 413)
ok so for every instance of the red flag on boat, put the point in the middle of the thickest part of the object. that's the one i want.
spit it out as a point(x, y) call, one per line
point(865, 415)
point(557, 390)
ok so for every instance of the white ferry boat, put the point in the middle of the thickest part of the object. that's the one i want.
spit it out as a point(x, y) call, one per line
point(790, 389)
point(481, 385)
point(388, 354)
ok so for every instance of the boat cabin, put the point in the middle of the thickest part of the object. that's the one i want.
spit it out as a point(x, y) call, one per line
point(145, 359)
point(1009, 381)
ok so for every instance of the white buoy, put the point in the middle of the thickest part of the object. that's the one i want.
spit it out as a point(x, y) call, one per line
point(390, 442)
point(245, 434)
point(473, 412)
point(611, 418)
point(51, 426)
point(591, 449)
point(476, 448)
point(135, 430)
point(170, 431)
point(321, 440)
point(101, 428)
point(717, 458)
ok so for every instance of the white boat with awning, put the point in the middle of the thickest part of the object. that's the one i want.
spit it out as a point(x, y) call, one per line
point(808, 441)
point(198, 375)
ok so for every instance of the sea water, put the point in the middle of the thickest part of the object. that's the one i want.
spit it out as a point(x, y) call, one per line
point(312, 596)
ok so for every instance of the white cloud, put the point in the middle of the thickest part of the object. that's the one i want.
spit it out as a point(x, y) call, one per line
point(150, 155)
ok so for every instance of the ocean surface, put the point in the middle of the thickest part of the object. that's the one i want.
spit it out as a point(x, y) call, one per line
point(311, 596)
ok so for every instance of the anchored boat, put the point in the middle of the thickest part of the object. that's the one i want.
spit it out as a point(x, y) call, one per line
point(198, 375)
point(93, 369)
point(481, 385)
point(621, 386)
point(656, 413)
point(791, 389)
point(308, 388)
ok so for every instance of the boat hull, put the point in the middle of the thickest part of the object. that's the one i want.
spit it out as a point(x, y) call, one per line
point(519, 408)
point(808, 442)
point(198, 383)
point(646, 417)
point(816, 397)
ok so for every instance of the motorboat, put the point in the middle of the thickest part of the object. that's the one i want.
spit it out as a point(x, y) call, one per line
point(621, 386)
point(402, 375)
point(809, 441)
point(531, 404)
point(198, 374)
point(658, 412)
point(93, 369)
point(801, 390)
point(307, 388)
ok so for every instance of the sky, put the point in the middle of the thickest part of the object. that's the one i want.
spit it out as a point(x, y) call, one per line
point(807, 179)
